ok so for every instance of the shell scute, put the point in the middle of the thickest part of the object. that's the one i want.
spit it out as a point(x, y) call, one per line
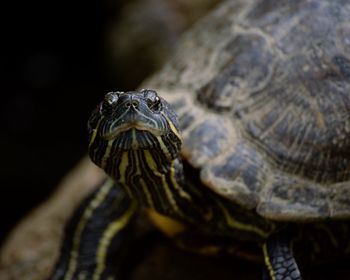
point(240, 176)
point(288, 198)
point(245, 64)
point(303, 127)
point(207, 140)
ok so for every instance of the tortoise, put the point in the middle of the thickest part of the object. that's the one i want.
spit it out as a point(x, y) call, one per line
point(244, 137)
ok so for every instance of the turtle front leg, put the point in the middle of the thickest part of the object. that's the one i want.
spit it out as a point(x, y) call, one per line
point(95, 239)
point(279, 259)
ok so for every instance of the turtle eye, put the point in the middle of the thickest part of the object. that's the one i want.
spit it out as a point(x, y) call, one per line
point(153, 100)
point(109, 102)
point(154, 104)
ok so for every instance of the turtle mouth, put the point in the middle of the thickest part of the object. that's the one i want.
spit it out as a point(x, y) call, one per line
point(137, 125)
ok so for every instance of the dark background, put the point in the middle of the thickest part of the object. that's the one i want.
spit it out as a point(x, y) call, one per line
point(58, 59)
point(54, 71)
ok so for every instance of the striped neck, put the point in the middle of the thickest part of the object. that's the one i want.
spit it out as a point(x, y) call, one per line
point(152, 174)
point(148, 177)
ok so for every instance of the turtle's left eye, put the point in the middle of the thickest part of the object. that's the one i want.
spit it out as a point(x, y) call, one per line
point(154, 104)
point(153, 100)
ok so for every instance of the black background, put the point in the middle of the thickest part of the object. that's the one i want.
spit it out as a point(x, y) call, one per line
point(53, 72)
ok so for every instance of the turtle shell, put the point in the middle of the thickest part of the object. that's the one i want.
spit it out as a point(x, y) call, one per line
point(262, 91)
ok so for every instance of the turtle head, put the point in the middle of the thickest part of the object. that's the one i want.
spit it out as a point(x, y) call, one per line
point(132, 121)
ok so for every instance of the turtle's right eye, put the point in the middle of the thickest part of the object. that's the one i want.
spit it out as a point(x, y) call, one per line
point(109, 102)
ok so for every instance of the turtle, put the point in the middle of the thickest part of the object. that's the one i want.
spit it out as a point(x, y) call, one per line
point(242, 137)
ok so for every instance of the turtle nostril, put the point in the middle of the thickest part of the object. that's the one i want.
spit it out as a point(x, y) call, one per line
point(128, 104)
point(135, 103)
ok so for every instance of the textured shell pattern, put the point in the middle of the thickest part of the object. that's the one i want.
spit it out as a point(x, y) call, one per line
point(262, 91)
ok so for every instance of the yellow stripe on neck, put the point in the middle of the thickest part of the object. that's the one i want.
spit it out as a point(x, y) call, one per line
point(101, 195)
point(268, 262)
point(106, 239)
point(165, 224)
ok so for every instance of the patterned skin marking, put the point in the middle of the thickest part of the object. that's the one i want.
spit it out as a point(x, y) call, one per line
point(105, 241)
point(268, 262)
point(236, 224)
point(101, 195)
point(279, 259)
point(104, 216)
